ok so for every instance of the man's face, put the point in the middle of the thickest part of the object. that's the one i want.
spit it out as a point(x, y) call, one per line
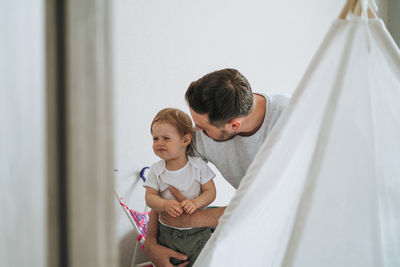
point(218, 134)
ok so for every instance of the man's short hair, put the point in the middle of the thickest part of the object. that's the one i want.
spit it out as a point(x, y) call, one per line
point(223, 95)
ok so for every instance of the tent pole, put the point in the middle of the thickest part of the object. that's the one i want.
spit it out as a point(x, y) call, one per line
point(354, 6)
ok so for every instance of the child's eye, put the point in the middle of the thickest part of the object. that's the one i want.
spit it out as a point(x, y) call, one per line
point(166, 138)
point(155, 138)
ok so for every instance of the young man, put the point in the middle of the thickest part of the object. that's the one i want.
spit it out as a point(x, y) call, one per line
point(231, 123)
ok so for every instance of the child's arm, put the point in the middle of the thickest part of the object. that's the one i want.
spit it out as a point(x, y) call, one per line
point(154, 201)
point(206, 197)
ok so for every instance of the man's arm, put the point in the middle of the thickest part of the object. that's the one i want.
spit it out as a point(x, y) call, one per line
point(158, 254)
point(200, 218)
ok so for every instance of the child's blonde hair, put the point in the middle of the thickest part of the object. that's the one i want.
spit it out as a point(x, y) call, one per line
point(180, 120)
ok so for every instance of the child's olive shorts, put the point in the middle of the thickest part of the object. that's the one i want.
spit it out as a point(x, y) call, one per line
point(188, 242)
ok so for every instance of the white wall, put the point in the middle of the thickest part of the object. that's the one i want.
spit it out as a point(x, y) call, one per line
point(22, 134)
point(161, 46)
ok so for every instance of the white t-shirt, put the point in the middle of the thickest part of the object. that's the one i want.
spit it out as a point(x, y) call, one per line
point(187, 180)
point(233, 157)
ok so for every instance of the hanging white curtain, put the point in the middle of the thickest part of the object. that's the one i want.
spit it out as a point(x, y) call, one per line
point(324, 190)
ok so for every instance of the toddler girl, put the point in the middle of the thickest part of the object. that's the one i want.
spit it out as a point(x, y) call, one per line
point(172, 133)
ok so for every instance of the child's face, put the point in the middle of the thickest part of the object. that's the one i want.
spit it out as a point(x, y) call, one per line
point(168, 144)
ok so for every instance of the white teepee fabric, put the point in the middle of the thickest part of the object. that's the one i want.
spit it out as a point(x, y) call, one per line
point(324, 190)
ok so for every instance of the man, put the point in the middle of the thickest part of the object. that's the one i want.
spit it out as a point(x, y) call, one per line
point(231, 123)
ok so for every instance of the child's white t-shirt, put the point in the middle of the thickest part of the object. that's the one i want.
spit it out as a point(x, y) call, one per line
point(187, 180)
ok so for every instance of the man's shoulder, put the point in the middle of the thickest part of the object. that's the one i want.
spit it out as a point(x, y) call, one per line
point(275, 103)
point(280, 98)
point(280, 101)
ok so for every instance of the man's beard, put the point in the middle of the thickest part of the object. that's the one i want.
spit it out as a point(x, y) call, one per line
point(223, 137)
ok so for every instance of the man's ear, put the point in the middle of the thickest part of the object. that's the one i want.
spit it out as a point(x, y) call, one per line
point(235, 124)
point(187, 138)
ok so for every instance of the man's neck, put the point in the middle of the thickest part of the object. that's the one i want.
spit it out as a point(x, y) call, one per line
point(253, 122)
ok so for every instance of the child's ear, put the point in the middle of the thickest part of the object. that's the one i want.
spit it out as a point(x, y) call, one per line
point(187, 138)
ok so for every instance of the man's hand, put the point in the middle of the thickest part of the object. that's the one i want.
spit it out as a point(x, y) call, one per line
point(188, 206)
point(160, 255)
point(173, 208)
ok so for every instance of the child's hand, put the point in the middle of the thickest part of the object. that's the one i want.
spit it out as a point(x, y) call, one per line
point(188, 206)
point(173, 208)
